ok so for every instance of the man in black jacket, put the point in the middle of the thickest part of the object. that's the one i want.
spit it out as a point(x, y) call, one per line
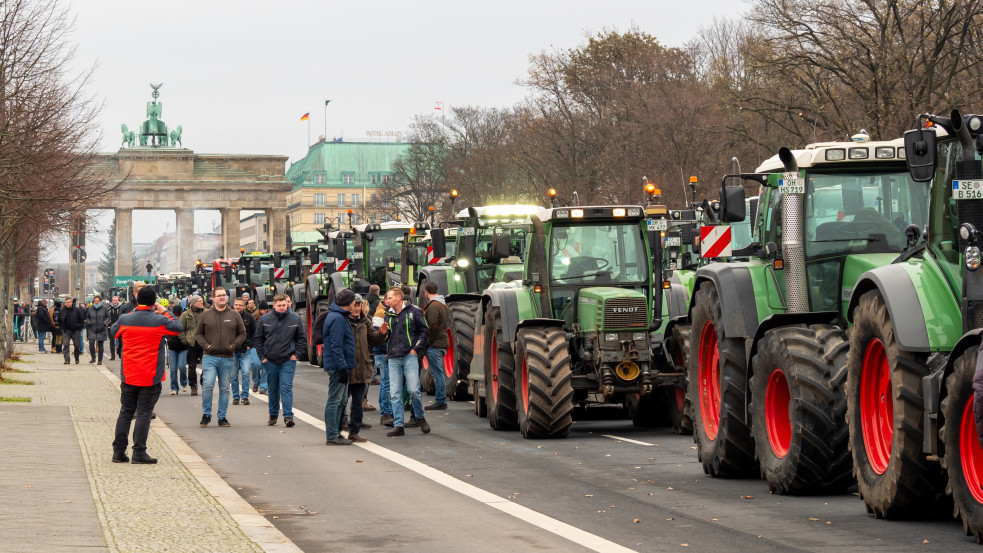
point(72, 321)
point(280, 336)
point(115, 309)
point(44, 325)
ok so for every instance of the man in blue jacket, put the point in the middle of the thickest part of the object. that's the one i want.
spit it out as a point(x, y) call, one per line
point(338, 359)
point(279, 337)
point(408, 337)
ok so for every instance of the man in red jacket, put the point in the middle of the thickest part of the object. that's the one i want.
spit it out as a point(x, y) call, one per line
point(142, 366)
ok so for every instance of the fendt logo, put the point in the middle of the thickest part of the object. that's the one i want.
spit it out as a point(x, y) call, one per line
point(625, 309)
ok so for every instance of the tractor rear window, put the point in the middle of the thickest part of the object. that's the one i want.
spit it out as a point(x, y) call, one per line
point(597, 253)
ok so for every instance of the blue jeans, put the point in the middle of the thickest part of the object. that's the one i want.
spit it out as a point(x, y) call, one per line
point(212, 367)
point(178, 360)
point(384, 407)
point(41, 337)
point(435, 358)
point(334, 408)
point(280, 379)
point(256, 369)
point(240, 379)
point(404, 368)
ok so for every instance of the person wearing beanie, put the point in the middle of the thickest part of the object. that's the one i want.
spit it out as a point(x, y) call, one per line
point(261, 310)
point(280, 338)
point(189, 323)
point(142, 371)
point(338, 359)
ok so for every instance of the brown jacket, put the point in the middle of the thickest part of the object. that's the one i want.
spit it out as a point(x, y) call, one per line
point(438, 319)
point(366, 337)
point(219, 333)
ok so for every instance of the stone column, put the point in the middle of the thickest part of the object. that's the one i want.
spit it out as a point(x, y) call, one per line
point(124, 242)
point(230, 231)
point(276, 220)
point(185, 239)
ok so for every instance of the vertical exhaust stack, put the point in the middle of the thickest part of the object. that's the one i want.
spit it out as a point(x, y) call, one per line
point(793, 250)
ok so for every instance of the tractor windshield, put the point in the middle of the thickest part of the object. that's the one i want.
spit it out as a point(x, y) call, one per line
point(846, 212)
point(485, 249)
point(602, 253)
point(384, 247)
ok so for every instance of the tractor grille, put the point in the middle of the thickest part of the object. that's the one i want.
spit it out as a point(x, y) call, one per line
point(625, 313)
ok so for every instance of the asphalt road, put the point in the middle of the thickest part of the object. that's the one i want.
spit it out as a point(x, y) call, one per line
point(649, 496)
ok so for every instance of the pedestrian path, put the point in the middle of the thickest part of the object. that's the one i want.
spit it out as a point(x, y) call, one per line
point(60, 491)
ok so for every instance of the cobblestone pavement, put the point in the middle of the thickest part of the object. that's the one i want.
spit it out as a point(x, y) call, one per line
point(179, 504)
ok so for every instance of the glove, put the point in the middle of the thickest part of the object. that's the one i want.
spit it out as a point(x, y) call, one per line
point(343, 375)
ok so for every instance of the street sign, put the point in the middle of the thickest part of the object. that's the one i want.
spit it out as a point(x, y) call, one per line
point(122, 281)
point(715, 241)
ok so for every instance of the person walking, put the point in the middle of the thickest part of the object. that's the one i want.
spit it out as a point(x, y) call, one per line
point(189, 320)
point(56, 336)
point(72, 320)
point(338, 359)
point(142, 366)
point(262, 309)
point(279, 338)
point(114, 312)
point(177, 360)
point(408, 338)
point(44, 325)
point(150, 268)
point(438, 320)
point(97, 321)
point(366, 337)
point(381, 366)
point(219, 332)
point(243, 356)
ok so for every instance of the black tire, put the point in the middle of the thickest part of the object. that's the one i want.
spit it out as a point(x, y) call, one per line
point(680, 410)
point(480, 408)
point(722, 437)
point(426, 379)
point(304, 354)
point(461, 318)
point(905, 484)
point(320, 307)
point(310, 313)
point(500, 386)
point(545, 402)
point(797, 410)
point(962, 444)
point(421, 297)
point(648, 411)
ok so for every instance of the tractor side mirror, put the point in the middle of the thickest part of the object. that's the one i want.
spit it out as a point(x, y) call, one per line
point(272, 273)
point(732, 209)
point(439, 242)
point(413, 256)
point(358, 261)
point(919, 150)
point(315, 254)
point(277, 258)
point(228, 273)
point(503, 245)
point(340, 248)
point(292, 273)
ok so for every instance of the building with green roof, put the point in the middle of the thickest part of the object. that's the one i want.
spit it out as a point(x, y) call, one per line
point(337, 176)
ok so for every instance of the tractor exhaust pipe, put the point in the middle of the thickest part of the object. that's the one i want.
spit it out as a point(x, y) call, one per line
point(793, 250)
point(965, 139)
point(538, 255)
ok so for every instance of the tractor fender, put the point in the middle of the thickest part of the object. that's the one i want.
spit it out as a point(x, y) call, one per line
point(262, 294)
point(898, 290)
point(677, 298)
point(298, 294)
point(436, 274)
point(463, 297)
point(505, 300)
point(314, 285)
point(737, 298)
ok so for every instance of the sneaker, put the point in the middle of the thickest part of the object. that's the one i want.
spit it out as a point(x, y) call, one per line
point(205, 419)
point(120, 457)
point(272, 421)
point(255, 388)
point(112, 358)
point(288, 422)
point(425, 426)
point(262, 392)
point(375, 381)
point(435, 407)
point(245, 401)
point(141, 458)
point(92, 361)
point(173, 393)
point(412, 423)
point(386, 420)
point(68, 362)
point(366, 406)
point(398, 431)
point(356, 438)
point(365, 425)
point(194, 391)
point(184, 389)
point(224, 422)
point(337, 440)
point(235, 401)
point(99, 363)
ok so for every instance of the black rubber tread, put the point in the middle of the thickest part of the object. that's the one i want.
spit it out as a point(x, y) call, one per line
point(959, 390)
point(319, 307)
point(426, 379)
point(813, 360)
point(304, 355)
point(501, 413)
point(311, 347)
point(678, 343)
point(731, 454)
point(544, 351)
point(480, 409)
point(649, 411)
point(461, 319)
point(912, 486)
point(421, 296)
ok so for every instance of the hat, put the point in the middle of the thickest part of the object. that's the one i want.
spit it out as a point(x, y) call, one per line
point(358, 298)
point(264, 305)
point(345, 298)
point(193, 300)
point(146, 296)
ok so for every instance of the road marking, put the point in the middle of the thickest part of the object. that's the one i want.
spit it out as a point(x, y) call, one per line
point(562, 529)
point(629, 440)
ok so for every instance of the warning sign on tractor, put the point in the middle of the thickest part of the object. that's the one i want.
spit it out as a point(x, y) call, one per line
point(715, 241)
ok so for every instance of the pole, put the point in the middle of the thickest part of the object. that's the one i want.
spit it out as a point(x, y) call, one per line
point(308, 131)
point(326, 102)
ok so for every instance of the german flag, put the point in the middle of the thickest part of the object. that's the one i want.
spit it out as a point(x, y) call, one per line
point(306, 116)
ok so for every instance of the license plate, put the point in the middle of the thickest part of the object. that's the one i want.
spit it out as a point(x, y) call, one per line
point(791, 183)
point(672, 241)
point(466, 231)
point(967, 189)
point(658, 224)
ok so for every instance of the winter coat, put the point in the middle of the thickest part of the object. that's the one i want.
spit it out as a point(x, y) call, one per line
point(338, 348)
point(379, 315)
point(143, 331)
point(114, 312)
point(55, 312)
point(438, 319)
point(250, 323)
point(189, 321)
point(219, 333)
point(44, 320)
point(366, 336)
point(407, 331)
point(373, 300)
point(279, 336)
point(97, 319)
point(72, 319)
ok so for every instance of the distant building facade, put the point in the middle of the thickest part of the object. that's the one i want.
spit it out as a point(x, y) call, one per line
point(253, 235)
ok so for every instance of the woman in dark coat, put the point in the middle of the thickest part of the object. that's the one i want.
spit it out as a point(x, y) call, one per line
point(97, 322)
point(44, 325)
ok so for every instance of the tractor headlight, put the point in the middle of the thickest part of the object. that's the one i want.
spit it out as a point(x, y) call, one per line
point(639, 336)
point(611, 337)
point(462, 263)
point(972, 256)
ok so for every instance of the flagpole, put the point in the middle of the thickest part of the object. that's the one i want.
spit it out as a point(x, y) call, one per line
point(308, 131)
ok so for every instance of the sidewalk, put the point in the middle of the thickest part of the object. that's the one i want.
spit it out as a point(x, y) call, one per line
point(60, 491)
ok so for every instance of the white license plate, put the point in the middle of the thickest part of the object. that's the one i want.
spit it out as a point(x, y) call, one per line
point(791, 183)
point(672, 241)
point(658, 224)
point(967, 189)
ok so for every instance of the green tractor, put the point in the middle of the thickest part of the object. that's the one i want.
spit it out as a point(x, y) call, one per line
point(768, 345)
point(914, 347)
point(576, 328)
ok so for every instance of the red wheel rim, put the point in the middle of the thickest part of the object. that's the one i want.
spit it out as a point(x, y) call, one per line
point(876, 406)
point(777, 420)
point(709, 380)
point(449, 355)
point(494, 368)
point(970, 452)
point(525, 385)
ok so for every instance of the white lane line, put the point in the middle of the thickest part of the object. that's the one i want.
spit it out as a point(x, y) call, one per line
point(629, 440)
point(562, 529)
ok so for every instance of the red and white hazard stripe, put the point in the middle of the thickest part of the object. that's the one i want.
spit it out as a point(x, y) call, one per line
point(343, 266)
point(430, 257)
point(316, 269)
point(715, 241)
point(277, 273)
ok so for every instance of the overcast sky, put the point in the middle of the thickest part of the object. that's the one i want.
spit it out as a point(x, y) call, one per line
point(238, 75)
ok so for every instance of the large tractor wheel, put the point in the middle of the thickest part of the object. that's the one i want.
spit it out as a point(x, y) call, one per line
point(321, 306)
point(797, 410)
point(457, 361)
point(304, 354)
point(884, 413)
point(499, 376)
point(716, 389)
point(963, 458)
point(426, 379)
point(680, 410)
point(546, 404)
point(649, 411)
point(309, 316)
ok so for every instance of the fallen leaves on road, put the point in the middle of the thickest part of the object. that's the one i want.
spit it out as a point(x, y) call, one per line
point(637, 520)
point(358, 460)
point(747, 497)
point(588, 495)
point(813, 519)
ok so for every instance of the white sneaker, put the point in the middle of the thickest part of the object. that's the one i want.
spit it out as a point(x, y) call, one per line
point(185, 389)
point(173, 393)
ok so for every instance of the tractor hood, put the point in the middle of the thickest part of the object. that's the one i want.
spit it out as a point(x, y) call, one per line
point(607, 309)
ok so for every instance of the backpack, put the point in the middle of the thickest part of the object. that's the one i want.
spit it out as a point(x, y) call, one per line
point(317, 328)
